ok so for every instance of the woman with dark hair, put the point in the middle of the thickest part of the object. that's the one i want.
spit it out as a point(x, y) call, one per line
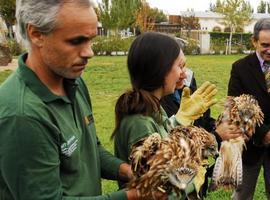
point(156, 65)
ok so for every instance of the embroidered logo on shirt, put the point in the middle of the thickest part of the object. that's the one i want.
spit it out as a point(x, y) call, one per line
point(89, 119)
point(70, 146)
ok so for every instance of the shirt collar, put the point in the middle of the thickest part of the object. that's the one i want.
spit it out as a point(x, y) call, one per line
point(41, 90)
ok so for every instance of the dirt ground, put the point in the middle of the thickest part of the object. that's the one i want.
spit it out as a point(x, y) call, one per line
point(11, 66)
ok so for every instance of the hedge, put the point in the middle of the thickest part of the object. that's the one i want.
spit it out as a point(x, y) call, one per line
point(103, 45)
point(240, 41)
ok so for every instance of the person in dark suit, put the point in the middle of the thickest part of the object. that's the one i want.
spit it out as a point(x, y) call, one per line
point(248, 77)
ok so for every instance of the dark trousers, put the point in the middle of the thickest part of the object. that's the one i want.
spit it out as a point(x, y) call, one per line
point(250, 176)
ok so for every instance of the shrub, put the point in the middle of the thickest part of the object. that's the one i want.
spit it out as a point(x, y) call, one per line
point(5, 55)
point(103, 45)
point(240, 41)
point(191, 47)
point(14, 47)
point(218, 45)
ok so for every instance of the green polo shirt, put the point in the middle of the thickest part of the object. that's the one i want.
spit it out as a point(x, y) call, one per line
point(48, 143)
point(135, 127)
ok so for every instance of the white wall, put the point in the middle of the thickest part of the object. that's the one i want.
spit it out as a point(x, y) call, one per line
point(208, 24)
point(249, 28)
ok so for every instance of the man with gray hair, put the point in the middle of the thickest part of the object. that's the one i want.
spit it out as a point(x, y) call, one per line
point(48, 143)
point(250, 75)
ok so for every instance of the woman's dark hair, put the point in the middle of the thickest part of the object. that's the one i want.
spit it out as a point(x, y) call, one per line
point(150, 59)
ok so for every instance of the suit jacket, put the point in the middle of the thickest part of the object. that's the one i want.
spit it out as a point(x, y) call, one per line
point(247, 78)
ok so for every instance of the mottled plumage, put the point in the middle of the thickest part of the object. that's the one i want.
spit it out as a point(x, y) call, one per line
point(244, 112)
point(175, 162)
point(142, 151)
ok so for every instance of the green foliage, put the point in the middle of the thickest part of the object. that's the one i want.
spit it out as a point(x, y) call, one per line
point(116, 14)
point(145, 18)
point(263, 5)
point(104, 15)
point(191, 47)
point(7, 11)
point(214, 6)
point(240, 41)
point(190, 22)
point(158, 15)
point(122, 14)
point(237, 13)
point(14, 47)
point(103, 45)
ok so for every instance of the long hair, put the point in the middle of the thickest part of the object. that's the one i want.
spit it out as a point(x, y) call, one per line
point(42, 14)
point(150, 59)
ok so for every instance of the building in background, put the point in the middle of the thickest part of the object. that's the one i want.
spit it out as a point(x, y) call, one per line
point(212, 21)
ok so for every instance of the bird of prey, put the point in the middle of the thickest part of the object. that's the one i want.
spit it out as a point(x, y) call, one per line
point(170, 164)
point(245, 112)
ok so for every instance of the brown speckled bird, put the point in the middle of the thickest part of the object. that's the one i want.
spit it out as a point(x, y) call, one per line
point(170, 164)
point(245, 112)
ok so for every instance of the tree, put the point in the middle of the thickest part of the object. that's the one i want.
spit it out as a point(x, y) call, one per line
point(106, 15)
point(158, 15)
point(263, 7)
point(237, 13)
point(114, 14)
point(144, 19)
point(126, 10)
point(190, 22)
point(213, 6)
point(7, 12)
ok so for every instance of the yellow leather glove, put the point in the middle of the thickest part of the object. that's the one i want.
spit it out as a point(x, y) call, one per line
point(199, 179)
point(192, 107)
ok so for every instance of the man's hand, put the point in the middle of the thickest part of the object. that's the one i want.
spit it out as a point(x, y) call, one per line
point(228, 131)
point(192, 107)
point(125, 172)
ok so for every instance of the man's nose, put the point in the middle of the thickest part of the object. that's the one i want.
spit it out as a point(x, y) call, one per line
point(87, 52)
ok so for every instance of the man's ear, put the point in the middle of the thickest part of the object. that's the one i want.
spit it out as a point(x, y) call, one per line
point(254, 42)
point(35, 36)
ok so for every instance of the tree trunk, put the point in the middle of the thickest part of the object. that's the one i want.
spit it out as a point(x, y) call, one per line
point(10, 31)
point(230, 42)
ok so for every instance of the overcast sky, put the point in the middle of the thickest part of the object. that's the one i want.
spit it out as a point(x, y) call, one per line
point(174, 6)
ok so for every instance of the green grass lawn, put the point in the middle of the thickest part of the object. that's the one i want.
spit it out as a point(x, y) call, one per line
point(107, 78)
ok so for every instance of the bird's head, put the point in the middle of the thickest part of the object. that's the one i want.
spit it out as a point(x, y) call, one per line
point(181, 177)
point(249, 113)
point(210, 151)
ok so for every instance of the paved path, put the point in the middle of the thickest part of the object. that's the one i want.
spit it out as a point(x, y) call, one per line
point(11, 66)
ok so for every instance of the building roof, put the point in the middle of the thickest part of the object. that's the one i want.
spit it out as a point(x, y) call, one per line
point(260, 15)
point(210, 14)
point(201, 14)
